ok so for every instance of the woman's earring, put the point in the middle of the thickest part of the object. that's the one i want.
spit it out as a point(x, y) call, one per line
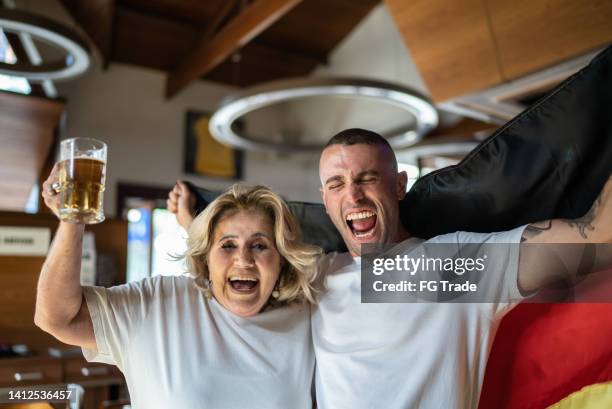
point(276, 292)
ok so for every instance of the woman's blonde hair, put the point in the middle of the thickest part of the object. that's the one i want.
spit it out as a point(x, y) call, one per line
point(298, 272)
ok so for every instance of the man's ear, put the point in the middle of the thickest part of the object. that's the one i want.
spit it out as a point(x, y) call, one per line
point(402, 182)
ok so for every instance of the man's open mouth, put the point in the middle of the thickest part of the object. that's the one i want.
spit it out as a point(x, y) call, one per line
point(362, 224)
point(243, 284)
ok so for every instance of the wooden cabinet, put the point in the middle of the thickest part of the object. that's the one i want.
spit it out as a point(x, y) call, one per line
point(101, 382)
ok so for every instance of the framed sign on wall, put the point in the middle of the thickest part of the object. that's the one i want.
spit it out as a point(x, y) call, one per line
point(204, 156)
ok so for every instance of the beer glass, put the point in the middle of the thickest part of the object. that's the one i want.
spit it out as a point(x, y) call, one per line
point(82, 171)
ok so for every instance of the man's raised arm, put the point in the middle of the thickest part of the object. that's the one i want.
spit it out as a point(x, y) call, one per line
point(581, 243)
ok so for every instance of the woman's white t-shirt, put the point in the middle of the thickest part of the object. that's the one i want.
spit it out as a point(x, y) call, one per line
point(178, 349)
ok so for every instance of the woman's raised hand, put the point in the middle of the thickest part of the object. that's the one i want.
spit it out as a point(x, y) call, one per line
point(181, 201)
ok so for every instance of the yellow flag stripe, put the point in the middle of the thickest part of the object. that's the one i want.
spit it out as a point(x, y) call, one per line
point(596, 396)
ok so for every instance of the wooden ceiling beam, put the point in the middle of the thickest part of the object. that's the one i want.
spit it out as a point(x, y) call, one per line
point(239, 31)
point(97, 18)
point(220, 16)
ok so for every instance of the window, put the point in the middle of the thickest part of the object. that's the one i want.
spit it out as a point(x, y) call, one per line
point(155, 239)
point(139, 243)
point(169, 241)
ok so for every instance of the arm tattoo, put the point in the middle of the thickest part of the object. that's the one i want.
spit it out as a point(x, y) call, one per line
point(534, 229)
point(585, 223)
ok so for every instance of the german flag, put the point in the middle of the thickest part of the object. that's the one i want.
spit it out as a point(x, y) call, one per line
point(553, 356)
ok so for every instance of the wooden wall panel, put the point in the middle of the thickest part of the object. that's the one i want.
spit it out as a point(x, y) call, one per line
point(532, 35)
point(19, 275)
point(27, 126)
point(450, 42)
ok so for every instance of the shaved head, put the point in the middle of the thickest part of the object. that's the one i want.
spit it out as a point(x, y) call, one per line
point(355, 136)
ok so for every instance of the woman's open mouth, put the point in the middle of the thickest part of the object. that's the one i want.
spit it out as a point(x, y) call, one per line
point(362, 224)
point(243, 284)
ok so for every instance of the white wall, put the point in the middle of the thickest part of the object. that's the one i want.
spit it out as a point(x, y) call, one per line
point(375, 49)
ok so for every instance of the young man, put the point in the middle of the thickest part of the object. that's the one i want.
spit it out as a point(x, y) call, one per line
point(424, 355)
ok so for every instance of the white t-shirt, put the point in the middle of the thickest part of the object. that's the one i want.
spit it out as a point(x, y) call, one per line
point(406, 356)
point(178, 349)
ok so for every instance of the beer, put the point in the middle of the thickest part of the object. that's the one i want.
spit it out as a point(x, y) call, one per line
point(81, 190)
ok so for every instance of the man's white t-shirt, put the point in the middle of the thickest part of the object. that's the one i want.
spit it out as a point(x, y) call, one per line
point(178, 349)
point(406, 356)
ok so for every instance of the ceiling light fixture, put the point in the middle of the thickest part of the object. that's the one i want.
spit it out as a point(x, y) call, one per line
point(447, 147)
point(236, 107)
point(76, 51)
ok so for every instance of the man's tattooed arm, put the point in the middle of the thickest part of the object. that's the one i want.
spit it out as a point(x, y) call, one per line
point(584, 224)
point(591, 227)
point(566, 250)
point(534, 229)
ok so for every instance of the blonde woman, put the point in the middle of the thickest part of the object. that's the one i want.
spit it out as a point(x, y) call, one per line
point(236, 335)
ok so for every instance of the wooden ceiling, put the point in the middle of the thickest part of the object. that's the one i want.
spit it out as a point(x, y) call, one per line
point(278, 38)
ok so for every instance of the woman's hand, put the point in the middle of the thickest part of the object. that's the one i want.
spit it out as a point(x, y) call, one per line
point(182, 203)
point(50, 191)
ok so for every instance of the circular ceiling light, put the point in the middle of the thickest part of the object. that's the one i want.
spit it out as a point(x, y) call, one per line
point(222, 123)
point(76, 51)
point(444, 147)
